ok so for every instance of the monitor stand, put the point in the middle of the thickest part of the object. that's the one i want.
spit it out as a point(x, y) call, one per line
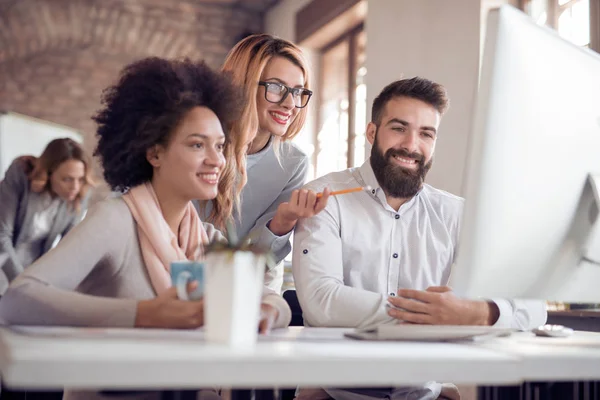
point(574, 273)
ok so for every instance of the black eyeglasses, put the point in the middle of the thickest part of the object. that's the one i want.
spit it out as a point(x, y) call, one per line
point(276, 92)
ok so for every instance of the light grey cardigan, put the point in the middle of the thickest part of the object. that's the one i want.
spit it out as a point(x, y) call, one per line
point(271, 180)
point(16, 219)
point(94, 278)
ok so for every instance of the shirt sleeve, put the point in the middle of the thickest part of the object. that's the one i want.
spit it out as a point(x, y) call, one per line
point(284, 315)
point(523, 315)
point(319, 277)
point(12, 190)
point(261, 234)
point(45, 294)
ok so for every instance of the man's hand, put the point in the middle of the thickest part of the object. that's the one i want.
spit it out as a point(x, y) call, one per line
point(268, 316)
point(438, 305)
point(167, 311)
point(303, 204)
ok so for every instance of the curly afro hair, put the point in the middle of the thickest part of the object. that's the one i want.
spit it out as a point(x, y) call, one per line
point(145, 106)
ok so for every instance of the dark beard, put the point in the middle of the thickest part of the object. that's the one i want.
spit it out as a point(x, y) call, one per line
point(397, 181)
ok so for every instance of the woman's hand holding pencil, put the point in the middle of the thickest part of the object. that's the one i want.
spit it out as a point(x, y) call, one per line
point(303, 203)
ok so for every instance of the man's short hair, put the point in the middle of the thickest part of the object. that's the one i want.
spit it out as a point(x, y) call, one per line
point(418, 88)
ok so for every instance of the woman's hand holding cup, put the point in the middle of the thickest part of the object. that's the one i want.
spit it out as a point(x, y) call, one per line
point(168, 311)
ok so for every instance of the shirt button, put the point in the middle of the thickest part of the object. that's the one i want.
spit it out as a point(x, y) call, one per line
point(373, 191)
point(395, 255)
point(397, 216)
point(392, 294)
point(305, 251)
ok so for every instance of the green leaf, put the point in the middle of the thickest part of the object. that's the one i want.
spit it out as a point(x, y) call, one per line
point(233, 244)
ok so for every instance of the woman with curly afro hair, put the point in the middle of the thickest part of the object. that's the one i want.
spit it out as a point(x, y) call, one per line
point(161, 141)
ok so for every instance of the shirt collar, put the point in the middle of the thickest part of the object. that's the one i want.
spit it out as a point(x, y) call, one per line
point(368, 176)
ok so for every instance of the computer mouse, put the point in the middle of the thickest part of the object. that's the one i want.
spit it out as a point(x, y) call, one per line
point(550, 330)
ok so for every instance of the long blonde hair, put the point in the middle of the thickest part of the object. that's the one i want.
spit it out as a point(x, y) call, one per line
point(246, 62)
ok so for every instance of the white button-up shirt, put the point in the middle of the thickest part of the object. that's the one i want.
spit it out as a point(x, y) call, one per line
point(358, 251)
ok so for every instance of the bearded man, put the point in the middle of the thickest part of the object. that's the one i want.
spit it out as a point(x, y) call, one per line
point(384, 256)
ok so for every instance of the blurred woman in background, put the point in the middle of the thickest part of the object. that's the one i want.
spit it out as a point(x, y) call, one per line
point(42, 199)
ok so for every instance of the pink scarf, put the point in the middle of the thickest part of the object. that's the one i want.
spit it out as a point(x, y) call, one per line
point(158, 243)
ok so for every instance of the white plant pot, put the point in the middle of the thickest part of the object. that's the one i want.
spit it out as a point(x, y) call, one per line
point(232, 297)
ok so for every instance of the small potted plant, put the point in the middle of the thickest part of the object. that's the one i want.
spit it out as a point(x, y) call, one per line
point(234, 285)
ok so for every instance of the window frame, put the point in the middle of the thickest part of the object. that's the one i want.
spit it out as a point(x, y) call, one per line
point(554, 11)
point(351, 37)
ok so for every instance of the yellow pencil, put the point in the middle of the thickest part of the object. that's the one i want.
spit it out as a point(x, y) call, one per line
point(356, 189)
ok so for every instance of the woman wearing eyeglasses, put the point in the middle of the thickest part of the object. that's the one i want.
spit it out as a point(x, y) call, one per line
point(274, 75)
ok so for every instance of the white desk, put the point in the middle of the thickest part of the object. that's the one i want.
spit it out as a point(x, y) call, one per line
point(574, 358)
point(120, 359)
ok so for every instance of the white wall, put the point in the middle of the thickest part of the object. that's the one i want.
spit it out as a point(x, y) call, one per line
point(281, 19)
point(23, 135)
point(438, 40)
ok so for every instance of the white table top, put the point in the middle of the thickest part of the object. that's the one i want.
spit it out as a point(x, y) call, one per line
point(121, 358)
point(573, 358)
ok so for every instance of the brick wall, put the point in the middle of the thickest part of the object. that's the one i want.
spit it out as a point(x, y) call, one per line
point(56, 56)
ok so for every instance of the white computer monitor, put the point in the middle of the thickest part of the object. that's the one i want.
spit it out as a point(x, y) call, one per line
point(530, 203)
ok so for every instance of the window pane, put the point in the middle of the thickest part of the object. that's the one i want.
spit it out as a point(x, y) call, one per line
point(360, 108)
point(361, 124)
point(574, 23)
point(333, 133)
